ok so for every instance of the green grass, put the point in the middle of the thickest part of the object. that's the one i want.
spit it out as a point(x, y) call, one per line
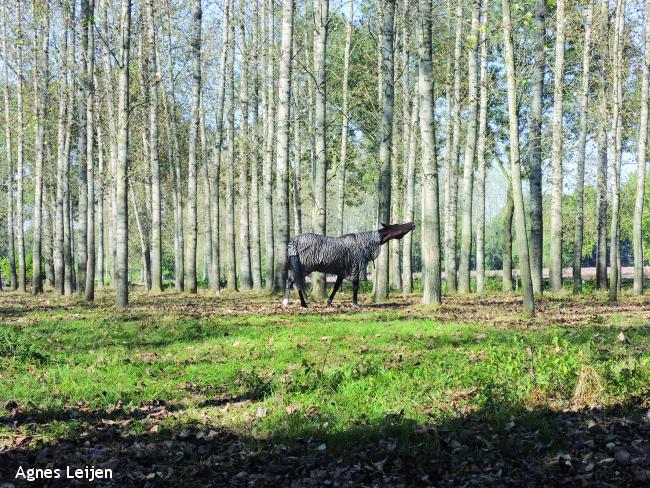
point(284, 375)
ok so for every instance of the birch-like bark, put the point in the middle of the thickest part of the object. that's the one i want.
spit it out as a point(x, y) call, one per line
point(122, 162)
point(269, 132)
point(431, 282)
point(281, 221)
point(583, 102)
point(40, 91)
point(59, 225)
point(601, 186)
point(20, 166)
point(319, 214)
point(535, 138)
point(451, 183)
point(69, 278)
point(515, 169)
point(345, 122)
point(617, 134)
point(82, 152)
point(190, 271)
point(637, 238)
point(385, 138)
point(470, 154)
point(154, 163)
point(90, 152)
point(230, 260)
point(101, 259)
point(13, 277)
point(480, 151)
point(555, 261)
point(409, 193)
point(207, 198)
point(245, 277)
point(256, 255)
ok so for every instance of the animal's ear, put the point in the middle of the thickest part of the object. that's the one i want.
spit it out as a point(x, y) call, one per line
point(384, 225)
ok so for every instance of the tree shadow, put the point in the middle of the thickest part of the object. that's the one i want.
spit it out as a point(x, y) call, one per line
point(496, 445)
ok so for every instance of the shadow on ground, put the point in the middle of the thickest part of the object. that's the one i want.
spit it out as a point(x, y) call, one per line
point(515, 447)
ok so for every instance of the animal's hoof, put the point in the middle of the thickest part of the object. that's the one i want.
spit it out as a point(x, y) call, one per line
point(329, 304)
point(355, 306)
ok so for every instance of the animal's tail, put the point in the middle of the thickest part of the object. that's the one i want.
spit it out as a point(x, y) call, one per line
point(295, 266)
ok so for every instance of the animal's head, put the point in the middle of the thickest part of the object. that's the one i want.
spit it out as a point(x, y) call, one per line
point(395, 231)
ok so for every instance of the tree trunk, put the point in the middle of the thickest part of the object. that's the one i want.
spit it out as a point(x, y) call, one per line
point(431, 287)
point(409, 195)
point(216, 183)
point(470, 153)
point(506, 232)
point(451, 184)
point(122, 162)
point(156, 237)
point(582, 142)
point(385, 138)
point(207, 198)
point(601, 195)
point(245, 277)
point(100, 209)
point(13, 277)
point(480, 152)
point(40, 92)
point(69, 278)
point(20, 170)
point(269, 131)
point(282, 149)
point(256, 263)
point(319, 215)
point(536, 201)
point(90, 158)
point(82, 250)
point(190, 271)
point(231, 265)
point(345, 122)
point(555, 270)
point(637, 230)
point(617, 134)
point(517, 193)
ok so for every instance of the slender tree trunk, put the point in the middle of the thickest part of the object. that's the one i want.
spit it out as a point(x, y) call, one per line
point(517, 193)
point(59, 225)
point(231, 265)
point(69, 278)
point(409, 195)
point(245, 277)
point(216, 211)
point(319, 215)
point(536, 201)
point(451, 183)
point(122, 166)
point(40, 85)
point(20, 170)
point(506, 233)
point(190, 271)
point(297, 208)
point(13, 277)
point(82, 250)
point(281, 221)
point(269, 131)
point(480, 152)
point(617, 134)
point(470, 153)
point(385, 138)
point(637, 230)
point(582, 142)
point(101, 260)
point(144, 244)
point(345, 122)
point(256, 256)
point(207, 195)
point(555, 270)
point(90, 158)
point(431, 287)
point(156, 237)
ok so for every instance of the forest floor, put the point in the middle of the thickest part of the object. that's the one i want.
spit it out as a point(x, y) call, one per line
point(235, 391)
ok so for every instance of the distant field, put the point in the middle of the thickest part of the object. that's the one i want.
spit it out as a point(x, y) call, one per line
point(237, 391)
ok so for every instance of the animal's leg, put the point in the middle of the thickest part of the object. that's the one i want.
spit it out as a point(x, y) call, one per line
point(287, 289)
point(337, 285)
point(303, 303)
point(355, 293)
